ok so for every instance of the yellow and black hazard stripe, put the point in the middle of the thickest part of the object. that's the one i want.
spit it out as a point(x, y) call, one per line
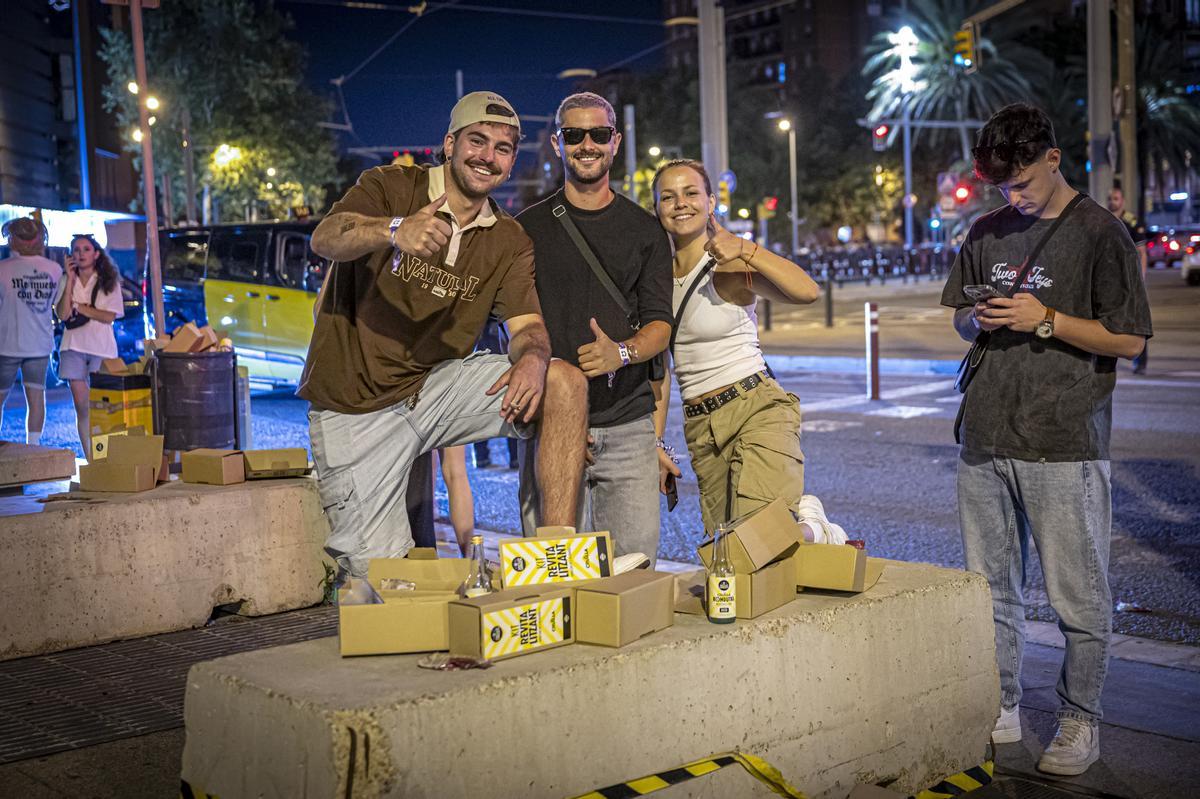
point(960, 783)
point(760, 769)
point(188, 792)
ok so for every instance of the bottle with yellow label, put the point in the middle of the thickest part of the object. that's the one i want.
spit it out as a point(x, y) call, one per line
point(721, 588)
point(479, 581)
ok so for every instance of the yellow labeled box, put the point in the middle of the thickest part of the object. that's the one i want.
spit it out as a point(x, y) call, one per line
point(376, 619)
point(100, 442)
point(619, 610)
point(555, 559)
point(512, 622)
point(134, 463)
point(119, 402)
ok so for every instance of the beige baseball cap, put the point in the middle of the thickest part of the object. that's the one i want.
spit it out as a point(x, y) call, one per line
point(482, 107)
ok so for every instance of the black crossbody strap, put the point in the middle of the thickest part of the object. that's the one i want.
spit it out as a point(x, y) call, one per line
point(560, 213)
point(708, 266)
point(1037, 248)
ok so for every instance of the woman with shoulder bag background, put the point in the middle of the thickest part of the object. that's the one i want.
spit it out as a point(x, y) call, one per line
point(89, 304)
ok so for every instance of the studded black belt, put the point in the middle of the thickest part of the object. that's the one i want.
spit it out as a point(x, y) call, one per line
point(710, 404)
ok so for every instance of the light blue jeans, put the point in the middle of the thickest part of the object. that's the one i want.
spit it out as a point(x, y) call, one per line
point(619, 492)
point(363, 460)
point(1066, 508)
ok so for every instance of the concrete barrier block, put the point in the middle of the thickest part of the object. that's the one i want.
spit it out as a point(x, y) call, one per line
point(130, 565)
point(21, 464)
point(899, 682)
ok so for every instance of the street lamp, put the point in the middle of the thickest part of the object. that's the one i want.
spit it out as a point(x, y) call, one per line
point(655, 151)
point(905, 46)
point(787, 127)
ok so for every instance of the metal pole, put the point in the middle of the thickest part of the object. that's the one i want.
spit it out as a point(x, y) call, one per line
point(630, 142)
point(167, 201)
point(908, 211)
point(871, 319)
point(829, 297)
point(458, 83)
point(714, 134)
point(189, 169)
point(1099, 99)
point(139, 62)
point(1127, 81)
point(795, 203)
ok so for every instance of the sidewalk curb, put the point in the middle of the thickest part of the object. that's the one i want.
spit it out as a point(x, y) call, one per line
point(834, 363)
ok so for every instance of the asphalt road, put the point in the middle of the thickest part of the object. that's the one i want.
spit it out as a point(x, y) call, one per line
point(885, 469)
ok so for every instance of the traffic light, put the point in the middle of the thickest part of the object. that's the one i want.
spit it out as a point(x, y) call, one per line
point(879, 137)
point(722, 197)
point(768, 207)
point(962, 193)
point(965, 53)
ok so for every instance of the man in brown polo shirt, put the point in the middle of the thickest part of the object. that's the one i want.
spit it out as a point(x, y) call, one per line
point(421, 256)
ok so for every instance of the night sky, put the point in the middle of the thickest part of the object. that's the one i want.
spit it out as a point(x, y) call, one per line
point(404, 96)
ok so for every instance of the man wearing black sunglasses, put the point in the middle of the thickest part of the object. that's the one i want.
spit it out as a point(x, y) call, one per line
point(1066, 300)
point(612, 332)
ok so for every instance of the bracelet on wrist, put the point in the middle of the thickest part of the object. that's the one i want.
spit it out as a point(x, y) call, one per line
point(667, 448)
point(623, 351)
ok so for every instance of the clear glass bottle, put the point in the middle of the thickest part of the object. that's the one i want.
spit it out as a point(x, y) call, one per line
point(479, 580)
point(721, 587)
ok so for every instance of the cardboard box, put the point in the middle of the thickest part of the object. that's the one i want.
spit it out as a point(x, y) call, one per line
point(619, 610)
point(149, 345)
point(265, 463)
point(374, 621)
point(759, 538)
point(113, 366)
point(835, 567)
point(757, 593)
point(516, 621)
point(219, 467)
point(186, 339)
point(554, 559)
point(134, 463)
point(100, 442)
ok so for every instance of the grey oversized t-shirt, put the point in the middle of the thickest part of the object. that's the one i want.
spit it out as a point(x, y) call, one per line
point(1036, 399)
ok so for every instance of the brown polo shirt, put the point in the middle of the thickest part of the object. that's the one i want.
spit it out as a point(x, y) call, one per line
point(387, 318)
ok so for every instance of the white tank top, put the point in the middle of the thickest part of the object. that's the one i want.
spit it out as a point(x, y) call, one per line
point(717, 342)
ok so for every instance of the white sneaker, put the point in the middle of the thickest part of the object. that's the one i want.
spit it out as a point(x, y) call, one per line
point(1008, 726)
point(1076, 746)
point(809, 509)
point(630, 561)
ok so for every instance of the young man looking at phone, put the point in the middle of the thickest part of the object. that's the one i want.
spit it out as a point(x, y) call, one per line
point(1037, 417)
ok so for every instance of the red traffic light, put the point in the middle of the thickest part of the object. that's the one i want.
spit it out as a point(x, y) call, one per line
point(771, 203)
point(881, 131)
point(962, 193)
point(395, 153)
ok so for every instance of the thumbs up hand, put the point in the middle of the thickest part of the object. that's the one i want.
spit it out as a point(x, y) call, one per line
point(601, 356)
point(721, 244)
point(423, 233)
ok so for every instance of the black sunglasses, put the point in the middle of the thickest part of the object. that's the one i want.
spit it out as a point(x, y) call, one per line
point(575, 136)
point(1004, 151)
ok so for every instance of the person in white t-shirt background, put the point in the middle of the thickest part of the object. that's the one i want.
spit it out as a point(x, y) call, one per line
point(88, 305)
point(29, 283)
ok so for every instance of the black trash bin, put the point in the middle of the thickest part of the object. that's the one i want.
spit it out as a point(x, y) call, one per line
point(194, 403)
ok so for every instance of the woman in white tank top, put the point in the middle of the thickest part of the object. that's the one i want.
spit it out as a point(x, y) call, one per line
point(742, 429)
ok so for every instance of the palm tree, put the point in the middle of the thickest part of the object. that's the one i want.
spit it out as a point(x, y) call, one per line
point(1168, 119)
point(945, 92)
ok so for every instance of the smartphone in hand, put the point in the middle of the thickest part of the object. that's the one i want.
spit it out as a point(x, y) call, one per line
point(672, 493)
point(980, 292)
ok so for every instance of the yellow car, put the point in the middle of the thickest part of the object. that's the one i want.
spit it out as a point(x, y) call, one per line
point(255, 283)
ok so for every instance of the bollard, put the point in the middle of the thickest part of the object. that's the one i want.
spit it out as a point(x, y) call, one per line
point(828, 301)
point(871, 322)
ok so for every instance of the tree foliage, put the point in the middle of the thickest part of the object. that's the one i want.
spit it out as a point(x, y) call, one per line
point(229, 64)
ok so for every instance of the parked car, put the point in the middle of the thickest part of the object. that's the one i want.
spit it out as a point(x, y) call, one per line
point(256, 283)
point(1166, 247)
point(1190, 266)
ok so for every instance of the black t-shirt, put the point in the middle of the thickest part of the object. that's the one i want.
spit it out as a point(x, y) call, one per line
point(633, 248)
point(1036, 399)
